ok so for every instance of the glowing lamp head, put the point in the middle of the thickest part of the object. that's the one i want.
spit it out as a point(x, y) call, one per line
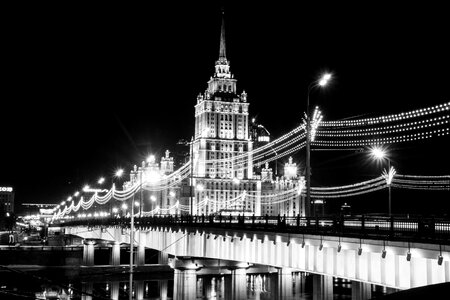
point(62, 203)
point(77, 193)
point(69, 198)
point(85, 188)
point(200, 187)
point(153, 198)
point(124, 206)
point(326, 76)
point(136, 203)
point(172, 194)
point(119, 173)
point(323, 81)
point(115, 210)
point(151, 159)
point(101, 180)
point(378, 153)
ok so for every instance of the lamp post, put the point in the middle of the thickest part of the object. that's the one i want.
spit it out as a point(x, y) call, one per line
point(321, 82)
point(192, 176)
point(379, 154)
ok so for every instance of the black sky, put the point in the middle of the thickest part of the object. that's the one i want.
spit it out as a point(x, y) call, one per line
point(89, 89)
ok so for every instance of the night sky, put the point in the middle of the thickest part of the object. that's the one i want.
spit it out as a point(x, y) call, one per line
point(89, 89)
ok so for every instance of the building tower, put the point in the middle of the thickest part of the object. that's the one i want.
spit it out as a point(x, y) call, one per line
point(221, 134)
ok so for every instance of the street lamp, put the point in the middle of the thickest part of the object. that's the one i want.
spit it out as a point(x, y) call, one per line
point(380, 154)
point(101, 180)
point(119, 173)
point(322, 82)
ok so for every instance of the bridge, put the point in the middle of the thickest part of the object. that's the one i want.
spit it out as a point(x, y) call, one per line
point(398, 253)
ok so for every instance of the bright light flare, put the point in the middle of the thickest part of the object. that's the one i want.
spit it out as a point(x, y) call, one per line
point(323, 81)
point(119, 173)
point(151, 159)
point(86, 187)
point(153, 198)
point(124, 206)
point(378, 152)
point(101, 180)
point(136, 203)
point(115, 210)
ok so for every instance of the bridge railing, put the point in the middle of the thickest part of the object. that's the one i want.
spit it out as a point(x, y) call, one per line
point(427, 230)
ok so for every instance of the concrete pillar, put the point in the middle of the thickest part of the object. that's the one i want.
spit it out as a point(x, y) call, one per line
point(361, 290)
point(88, 253)
point(239, 283)
point(139, 289)
point(114, 290)
point(114, 258)
point(140, 255)
point(163, 287)
point(322, 287)
point(285, 283)
point(185, 285)
point(236, 284)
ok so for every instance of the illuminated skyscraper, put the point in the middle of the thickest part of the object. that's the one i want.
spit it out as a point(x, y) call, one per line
point(222, 146)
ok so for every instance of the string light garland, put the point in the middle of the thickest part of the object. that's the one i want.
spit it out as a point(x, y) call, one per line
point(294, 141)
point(390, 118)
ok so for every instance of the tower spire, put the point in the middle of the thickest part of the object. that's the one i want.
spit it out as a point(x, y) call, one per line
point(222, 51)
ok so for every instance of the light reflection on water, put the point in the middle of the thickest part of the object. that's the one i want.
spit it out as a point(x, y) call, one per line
point(187, 284)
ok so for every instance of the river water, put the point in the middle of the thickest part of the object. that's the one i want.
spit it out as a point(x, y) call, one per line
point(64, 283)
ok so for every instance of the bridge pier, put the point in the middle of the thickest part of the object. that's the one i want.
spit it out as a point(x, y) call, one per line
point(236, 284)
point(322, 287)
point(185, 284)
point(114, 258)
point(361, 290)
point(88, 253)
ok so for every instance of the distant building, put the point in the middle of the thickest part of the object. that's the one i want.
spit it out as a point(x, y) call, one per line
point(6, 199)
point(44, 209)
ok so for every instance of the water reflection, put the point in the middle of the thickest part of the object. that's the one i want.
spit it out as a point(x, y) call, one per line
point(183, 284)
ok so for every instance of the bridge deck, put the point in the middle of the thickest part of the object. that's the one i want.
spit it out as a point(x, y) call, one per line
point(423, 230)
